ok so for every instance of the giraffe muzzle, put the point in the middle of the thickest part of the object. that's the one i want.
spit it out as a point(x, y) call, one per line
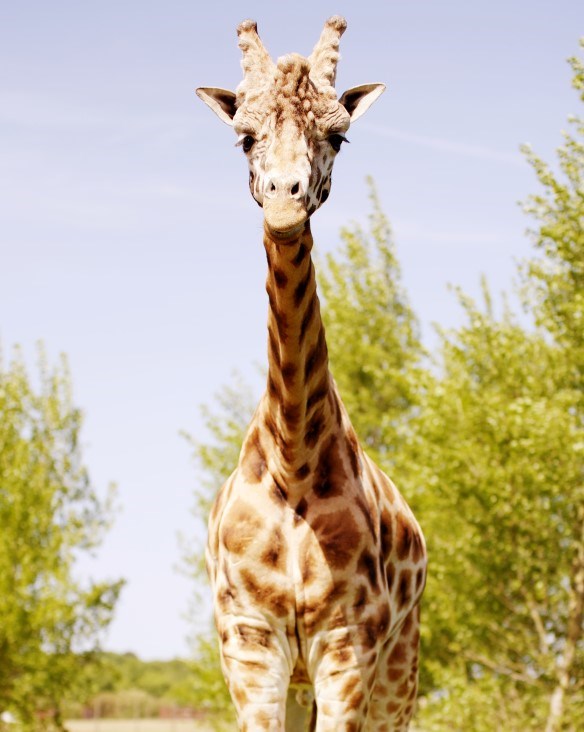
point(284, 217)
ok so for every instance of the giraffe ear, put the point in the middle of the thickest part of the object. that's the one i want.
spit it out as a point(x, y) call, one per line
point(358, 99)
point(221, 101)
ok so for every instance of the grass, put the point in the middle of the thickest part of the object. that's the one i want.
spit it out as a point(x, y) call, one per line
point(140, 725)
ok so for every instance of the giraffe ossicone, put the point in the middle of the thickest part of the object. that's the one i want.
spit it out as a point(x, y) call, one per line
point(316, 562)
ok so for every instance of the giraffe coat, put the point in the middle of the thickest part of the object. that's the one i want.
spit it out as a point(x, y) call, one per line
point(317, 564)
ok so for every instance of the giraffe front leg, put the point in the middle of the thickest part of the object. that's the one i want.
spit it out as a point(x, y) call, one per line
point(256, 667)
point(394, 694)
point(343, 682)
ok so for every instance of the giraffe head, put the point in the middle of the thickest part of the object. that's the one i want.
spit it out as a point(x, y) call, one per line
point(290, 123)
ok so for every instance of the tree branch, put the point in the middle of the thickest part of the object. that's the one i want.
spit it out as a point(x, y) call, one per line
point(501, 669)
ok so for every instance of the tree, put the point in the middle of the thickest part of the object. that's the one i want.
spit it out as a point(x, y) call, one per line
point(49, 515)
point(226, 422)
point(555, 288)
point(502, 440)
point(498, 437)
point(372, 336)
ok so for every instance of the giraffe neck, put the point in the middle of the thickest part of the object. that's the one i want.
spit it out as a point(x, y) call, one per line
point(299, 407)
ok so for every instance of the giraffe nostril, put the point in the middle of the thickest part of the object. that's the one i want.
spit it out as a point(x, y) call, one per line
point(272, 188)
point(295, 189)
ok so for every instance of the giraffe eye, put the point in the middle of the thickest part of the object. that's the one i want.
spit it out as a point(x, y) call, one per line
point(247, 143)
point(336, 140)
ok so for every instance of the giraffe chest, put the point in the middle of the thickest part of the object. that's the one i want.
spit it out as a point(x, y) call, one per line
point(331, 578)
point(317, 565)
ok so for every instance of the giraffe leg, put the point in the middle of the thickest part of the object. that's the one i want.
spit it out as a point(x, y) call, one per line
point(341, 702)
point(343, 680)
point(396, 684)
point(257, 672)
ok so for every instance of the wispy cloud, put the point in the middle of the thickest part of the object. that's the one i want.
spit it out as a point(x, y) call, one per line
point(447, 146)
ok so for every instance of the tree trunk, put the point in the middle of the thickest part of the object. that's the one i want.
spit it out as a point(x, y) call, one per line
point(573, 634)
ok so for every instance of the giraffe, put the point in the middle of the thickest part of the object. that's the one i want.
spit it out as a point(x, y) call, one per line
point(316, 562)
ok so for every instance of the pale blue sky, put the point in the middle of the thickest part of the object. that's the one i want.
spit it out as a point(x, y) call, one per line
point(129, 241)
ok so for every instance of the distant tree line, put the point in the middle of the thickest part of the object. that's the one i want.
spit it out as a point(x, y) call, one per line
point(124, 686)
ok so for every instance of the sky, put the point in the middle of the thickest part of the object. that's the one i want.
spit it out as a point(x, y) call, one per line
point(129, 241)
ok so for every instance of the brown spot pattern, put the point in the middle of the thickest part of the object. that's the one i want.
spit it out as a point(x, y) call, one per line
point(274, 347)
point(301, 508)
point(330, 475)
point(275, 552)
point(306, 320)
point(403, 536)
point(326, 607)
point(319, 393)
point(302, 471)
point(398, 655)
point(300, 290)
point(239, 531)
point(352, 447)
point(417, 548)
point(385, 532)
point(404, 587)
point(288, 372)
point(279, 493)
point(316, 357)
point(419, 579)
point(360, 600)
point(339, 537)
point(280, 277)
point(368, 567)
point(254, 459)
point(314, 429)
point(395, 674)
point(270, 597)
point(301, 254)
point(291, 413)
point(366, 513)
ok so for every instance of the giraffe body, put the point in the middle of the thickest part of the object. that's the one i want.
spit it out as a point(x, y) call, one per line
point(316, 562)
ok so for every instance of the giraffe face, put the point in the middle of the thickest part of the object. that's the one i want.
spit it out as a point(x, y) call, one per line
point(290, 124)
point(290, 134)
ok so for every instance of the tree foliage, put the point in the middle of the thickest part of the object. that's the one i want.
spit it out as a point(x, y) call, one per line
point(226, 423)
point(123, 685)
point(500, 453)
point(372, 336)
point(216, 459)
point(49, 514)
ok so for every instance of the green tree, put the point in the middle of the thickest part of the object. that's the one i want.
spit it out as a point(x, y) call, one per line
point(225, 422)
point(210, 692)
point(502, 441)
point(499, 447)
point(555, 289)
point(372, 336)
point(49, 515)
